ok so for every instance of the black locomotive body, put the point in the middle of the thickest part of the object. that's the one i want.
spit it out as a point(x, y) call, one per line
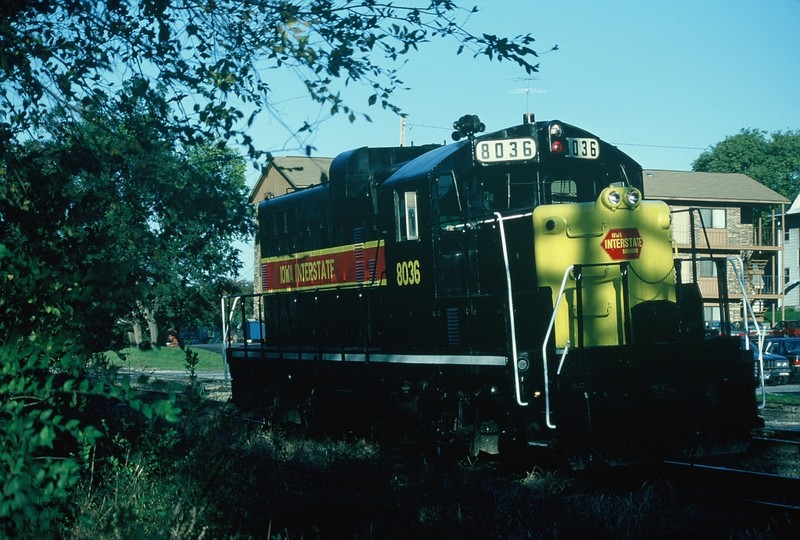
point(514, 286)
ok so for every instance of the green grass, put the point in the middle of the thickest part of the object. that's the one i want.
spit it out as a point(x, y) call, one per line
point(164, 359)
point(782, 399)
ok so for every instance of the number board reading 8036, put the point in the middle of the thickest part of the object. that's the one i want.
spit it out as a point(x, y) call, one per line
point(408, 273)
point(579, 147)
point(496, 151)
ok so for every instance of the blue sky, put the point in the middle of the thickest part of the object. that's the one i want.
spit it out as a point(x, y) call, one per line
point(668, 74)
point(663, 80)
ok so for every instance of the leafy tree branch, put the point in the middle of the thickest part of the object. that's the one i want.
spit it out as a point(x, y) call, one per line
point(772, 159)
point(215, 57)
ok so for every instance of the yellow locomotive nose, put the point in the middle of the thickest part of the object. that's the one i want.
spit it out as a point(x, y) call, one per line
point(618, 231)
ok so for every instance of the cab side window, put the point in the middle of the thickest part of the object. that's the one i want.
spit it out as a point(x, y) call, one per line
point(406, 216)
point(447, 204)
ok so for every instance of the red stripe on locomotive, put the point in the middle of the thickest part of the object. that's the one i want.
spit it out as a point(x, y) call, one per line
point(355, 265)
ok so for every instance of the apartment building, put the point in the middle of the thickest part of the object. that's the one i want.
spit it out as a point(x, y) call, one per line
point(742, 224)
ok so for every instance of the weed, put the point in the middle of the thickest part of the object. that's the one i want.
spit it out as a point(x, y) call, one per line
point(546, 482)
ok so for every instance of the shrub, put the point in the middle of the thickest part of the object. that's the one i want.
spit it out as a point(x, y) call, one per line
point(50, 421)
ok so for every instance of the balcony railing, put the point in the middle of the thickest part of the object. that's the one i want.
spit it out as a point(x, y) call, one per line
point(735, 237)
point(757, 286)
point(716, 237)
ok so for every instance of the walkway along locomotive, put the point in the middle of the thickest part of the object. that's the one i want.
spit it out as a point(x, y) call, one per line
point(514, 286)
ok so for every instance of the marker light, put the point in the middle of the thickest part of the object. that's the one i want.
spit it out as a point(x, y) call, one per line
point(633, 197)
point(522, 364)
point(556, 147)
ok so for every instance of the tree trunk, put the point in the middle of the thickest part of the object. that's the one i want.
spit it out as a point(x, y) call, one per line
point(148, 313)
point(137, 333)
point(152, 326)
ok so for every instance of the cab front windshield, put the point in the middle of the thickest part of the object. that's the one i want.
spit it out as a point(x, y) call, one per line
point(526, 186)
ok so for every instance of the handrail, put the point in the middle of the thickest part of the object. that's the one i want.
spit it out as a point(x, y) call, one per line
point(544, 348)
point(511, 322)
point(227, 320)
point(760, 330)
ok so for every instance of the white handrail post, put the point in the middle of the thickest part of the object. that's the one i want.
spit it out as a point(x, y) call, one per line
point(511, 321)
point(550, 424)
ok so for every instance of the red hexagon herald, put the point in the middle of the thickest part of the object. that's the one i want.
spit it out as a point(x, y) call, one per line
point(623, 244)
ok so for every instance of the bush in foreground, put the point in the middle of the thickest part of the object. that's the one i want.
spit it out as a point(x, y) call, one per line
point(218, 475)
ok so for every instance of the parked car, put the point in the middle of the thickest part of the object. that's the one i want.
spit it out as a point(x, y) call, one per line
point(788, 347)
point(786, 329)
point(712, 328)
point(776, 367)
point(738, 329)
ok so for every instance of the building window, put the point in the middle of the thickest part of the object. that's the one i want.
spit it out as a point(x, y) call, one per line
point(714, 218)
point(706, 269)
point(711, 313)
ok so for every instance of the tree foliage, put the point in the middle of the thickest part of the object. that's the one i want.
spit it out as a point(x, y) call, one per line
point(104, 217)
point(217, 57)
point(111, 178)
point(149, 222)
point(45, 391)
point(771, 159)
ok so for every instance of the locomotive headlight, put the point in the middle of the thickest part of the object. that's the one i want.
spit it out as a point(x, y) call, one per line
point(611, 198)
point(555, 131)
point(633, 197)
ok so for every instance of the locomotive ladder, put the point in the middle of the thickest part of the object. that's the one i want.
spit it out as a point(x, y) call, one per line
point(739, 272)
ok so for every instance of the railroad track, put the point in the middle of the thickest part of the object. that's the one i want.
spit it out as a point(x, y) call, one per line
point(751, 487)
point(767, 477)
point(777, 436)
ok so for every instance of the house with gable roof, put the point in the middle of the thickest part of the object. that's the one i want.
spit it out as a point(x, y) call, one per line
point(283, 175)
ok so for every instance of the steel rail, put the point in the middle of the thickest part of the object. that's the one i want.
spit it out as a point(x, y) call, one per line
point(759, 488)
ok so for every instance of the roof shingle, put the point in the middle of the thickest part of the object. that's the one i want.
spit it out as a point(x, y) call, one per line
point(673, 186)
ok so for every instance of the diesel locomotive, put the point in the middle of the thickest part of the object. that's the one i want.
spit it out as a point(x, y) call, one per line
point(513, 289)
